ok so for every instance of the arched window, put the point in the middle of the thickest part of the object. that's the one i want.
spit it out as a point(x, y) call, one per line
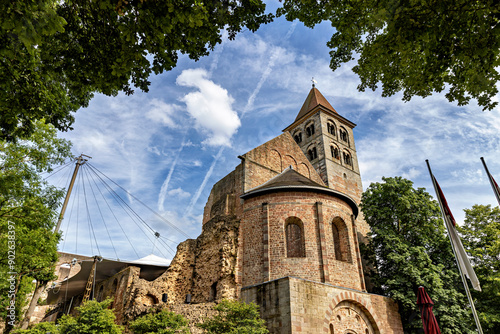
point(312, 153)
point(310, 130)
point(330, 127)
point(298, 137)
point(343, 135)
point(347, 158)
point(294, 233)
point(335, 152)
point(332, 331)
point(340, 235)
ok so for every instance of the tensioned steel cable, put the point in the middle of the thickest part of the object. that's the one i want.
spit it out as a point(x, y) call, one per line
point(58, 169)
point(125, 206)
point(154, 212)
point(89, 220)
point(77, 222)
point(99, 208)
point(165, 244)
point(116, 219)
point(143, 221)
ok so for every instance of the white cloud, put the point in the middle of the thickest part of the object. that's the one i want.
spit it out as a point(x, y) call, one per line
point(162, 112)
point(179, 193)
point(210, 107)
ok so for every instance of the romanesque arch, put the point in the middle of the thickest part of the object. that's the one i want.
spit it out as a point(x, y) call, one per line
point(347, 313)
point(274, 160)
point(303, 169)
point(288, 161)
point(341, 244)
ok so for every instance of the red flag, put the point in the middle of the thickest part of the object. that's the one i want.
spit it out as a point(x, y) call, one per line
point(494, 185)
point(462, 258)
point(442, 199)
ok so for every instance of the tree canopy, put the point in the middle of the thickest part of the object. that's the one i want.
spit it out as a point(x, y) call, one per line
point(408, 248)
point(481, 238)
point(417, 47)
point(92, 318)
point(28, 210)
point(54, 55)
point(163, 322)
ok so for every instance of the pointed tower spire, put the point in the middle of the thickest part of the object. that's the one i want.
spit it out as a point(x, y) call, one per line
point(327, 139)
point(314, 99)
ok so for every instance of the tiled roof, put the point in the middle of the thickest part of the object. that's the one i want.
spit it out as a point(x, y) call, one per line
point(290, 180)
point(314, 99)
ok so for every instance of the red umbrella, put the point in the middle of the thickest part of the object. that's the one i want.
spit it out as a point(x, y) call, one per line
point(425, 304)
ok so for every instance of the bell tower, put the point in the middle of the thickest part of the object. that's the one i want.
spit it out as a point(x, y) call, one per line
point(326, 138)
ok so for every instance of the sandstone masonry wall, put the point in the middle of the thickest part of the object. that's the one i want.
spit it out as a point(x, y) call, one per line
point(322, 308)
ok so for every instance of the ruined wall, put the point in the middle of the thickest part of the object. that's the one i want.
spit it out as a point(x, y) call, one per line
point(195, 314)
point(215, 262)
point(224, 196)
point(203, 268)
point(310, 307)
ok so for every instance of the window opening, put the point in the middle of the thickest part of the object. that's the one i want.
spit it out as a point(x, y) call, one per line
point(330, 128)
point(347, 159)
point(213, 292)
point(340, 236)
point(335, 152)
point(298, 137)
point(310, 130)
point(295, 246)
point(343, 135)
point(312, 153)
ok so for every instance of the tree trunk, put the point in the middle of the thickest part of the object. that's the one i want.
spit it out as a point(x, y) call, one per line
point(34, 301)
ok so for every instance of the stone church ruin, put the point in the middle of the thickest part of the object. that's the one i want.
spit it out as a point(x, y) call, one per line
point(282, 230)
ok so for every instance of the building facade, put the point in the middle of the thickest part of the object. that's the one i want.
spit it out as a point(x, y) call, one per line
point(282, 230)
point(296, 199)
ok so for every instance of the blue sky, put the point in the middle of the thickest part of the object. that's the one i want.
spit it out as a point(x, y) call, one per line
point(169, 146)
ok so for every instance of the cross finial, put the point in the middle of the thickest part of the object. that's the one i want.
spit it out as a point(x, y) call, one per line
point(314, 82)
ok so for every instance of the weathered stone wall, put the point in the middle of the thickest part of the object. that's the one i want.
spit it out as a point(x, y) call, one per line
point(271, 158)
point(215, 262)
point(195, 314)
point(224, 196)
point(274, 300)
point(322, 308)
point(204, 268)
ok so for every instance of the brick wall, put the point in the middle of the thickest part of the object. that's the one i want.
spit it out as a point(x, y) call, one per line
point(271, 158)
point(264, 255)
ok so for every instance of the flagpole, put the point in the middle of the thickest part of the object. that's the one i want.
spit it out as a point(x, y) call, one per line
point(495, 190)
point(462, 275)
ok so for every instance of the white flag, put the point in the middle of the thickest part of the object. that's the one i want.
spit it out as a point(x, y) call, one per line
point(462, 258)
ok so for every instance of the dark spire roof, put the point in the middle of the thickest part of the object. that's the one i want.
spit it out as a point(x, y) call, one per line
point(291, 180)
point(314, 99)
